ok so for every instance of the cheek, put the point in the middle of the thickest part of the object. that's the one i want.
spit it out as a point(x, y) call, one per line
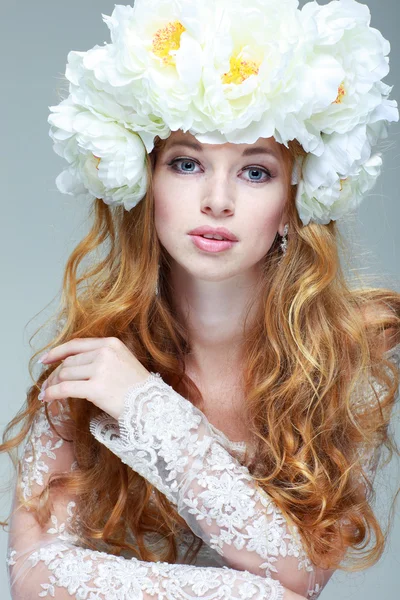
point(163, 208)
point(266, 217)
point(170, 210)
point(171, 205)
point(269, 223)
point(263, 235)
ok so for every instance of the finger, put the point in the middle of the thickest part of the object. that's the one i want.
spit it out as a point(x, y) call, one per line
point(63, 373)
point(80, 372)
point(75, 346)
point(83, 358)
point(66, 389)
point(52, 378)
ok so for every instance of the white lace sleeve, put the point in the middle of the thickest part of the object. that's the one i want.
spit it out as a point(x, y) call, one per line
point(167, 440)
point(47, 562)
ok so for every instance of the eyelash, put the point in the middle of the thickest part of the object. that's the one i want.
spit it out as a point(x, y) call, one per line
point(176, 160)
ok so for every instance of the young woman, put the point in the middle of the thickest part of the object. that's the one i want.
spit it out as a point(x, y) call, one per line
point(211, 411)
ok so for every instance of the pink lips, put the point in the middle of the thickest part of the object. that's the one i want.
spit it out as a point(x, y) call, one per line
point(221, 231)
point(211, 245)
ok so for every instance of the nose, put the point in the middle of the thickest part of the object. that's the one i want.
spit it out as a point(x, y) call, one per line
point(218, 198)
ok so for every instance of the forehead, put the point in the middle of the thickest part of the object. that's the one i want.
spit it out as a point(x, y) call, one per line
point(262, 144)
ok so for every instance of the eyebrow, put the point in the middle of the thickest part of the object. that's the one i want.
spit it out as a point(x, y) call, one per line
point(248, 152)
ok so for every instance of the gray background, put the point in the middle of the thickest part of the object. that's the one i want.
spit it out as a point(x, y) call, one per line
point(40, 226)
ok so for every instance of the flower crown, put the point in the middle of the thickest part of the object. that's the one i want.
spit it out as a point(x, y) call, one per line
point(229, 71)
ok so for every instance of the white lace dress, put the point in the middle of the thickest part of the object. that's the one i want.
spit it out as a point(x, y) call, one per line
point(250, 553)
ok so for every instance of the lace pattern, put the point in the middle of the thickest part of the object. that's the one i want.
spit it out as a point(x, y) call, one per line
point(41, 443)
point(47, 563)
point(97, 575)
point(167, 440)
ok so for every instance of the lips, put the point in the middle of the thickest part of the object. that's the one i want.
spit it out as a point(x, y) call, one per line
point(218, 239)
point(220, 231)
point(209, 245)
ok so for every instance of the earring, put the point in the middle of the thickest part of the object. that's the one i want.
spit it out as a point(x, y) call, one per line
point(284, 239)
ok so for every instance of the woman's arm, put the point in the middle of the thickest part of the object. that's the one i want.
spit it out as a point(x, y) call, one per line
point(48, 562)
point(167, 440)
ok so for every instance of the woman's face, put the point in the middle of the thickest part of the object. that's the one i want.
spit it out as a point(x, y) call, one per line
point(217, 185)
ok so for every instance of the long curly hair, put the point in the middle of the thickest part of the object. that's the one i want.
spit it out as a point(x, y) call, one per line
point(312, 344)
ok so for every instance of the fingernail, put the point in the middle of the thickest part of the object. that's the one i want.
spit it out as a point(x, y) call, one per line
point(42, 358)
point(42, 389)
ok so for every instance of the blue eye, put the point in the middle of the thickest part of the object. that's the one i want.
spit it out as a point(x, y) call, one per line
point(181, 160)
point(189, 161)
point(256, 169)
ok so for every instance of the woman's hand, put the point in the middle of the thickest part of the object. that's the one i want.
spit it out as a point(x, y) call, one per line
point(96, 369)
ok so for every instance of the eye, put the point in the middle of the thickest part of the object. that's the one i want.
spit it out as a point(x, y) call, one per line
point(259, 170)
point(186, 161)
point(252, 169)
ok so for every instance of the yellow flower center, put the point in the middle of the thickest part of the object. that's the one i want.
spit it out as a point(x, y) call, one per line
point(341, 93)
point(341, 182)
point(98, 161)
point(166, 39)
point(240, 70)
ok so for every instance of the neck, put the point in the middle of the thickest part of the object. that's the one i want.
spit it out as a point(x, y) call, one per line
point(214, 313)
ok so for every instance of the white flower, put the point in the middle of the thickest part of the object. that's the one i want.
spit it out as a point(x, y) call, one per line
point(104, 140)
point(225, 71)
point(260, 75)
point(354, 188)
point(106, 160)
point(343, 153)
point(157, 56)
point(345, 35)
point(337, 195)
point(84, 71)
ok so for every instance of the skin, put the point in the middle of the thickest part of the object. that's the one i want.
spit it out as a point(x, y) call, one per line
point(212, 290)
